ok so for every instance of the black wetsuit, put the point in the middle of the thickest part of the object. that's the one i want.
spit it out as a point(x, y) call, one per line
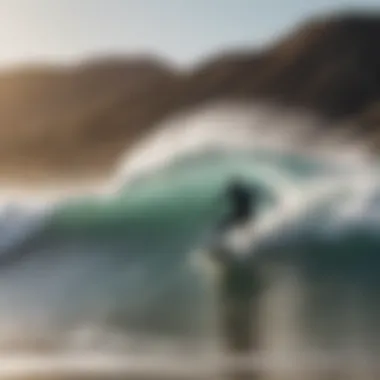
point(238, 282)
point(241, 199)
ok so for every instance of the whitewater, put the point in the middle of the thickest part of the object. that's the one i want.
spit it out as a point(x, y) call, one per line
point(122, 268)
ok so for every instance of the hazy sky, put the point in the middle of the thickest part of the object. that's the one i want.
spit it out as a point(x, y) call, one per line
point(182, 30)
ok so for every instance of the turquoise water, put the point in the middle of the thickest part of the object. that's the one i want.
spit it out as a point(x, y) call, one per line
point(125, 261)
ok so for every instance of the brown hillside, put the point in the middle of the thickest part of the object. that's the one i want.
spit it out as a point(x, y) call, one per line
point(330, 66)
point(47, 114)
point(77, 120)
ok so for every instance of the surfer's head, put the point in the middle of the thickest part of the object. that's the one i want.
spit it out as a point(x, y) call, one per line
point(242, 199)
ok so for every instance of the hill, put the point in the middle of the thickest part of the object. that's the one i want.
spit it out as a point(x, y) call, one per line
point(77, 120)
point(47, 114)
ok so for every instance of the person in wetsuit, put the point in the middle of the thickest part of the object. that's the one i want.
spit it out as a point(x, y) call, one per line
point(238, 281)
point(242, 201)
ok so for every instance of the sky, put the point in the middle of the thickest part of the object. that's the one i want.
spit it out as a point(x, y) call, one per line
point(183, 31)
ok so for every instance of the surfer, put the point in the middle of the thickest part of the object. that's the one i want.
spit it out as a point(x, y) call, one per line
point(242, 200)
point(238, 281)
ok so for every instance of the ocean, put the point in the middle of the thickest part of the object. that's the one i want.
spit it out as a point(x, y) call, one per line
point(121, 272)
